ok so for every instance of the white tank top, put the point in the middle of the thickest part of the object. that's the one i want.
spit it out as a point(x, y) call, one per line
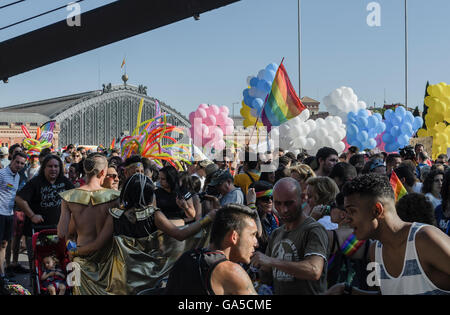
point(412, 279)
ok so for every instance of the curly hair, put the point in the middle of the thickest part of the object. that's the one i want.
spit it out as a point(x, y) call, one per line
point(415, 207)
point(371, 185)
point(428, 182)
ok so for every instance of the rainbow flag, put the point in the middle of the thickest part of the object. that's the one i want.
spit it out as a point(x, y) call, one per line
point(397, 186)
point(282, 103)
point(350, 246)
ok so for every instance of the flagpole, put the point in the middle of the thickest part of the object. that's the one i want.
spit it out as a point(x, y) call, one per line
point(299, 51)
point(265, 102)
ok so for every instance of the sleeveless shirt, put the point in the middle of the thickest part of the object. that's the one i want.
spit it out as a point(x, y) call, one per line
point(191, 274)
point(412, 279)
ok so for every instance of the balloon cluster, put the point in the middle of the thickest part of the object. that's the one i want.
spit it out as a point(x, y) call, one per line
point(438, 118)
point(311, 135)
point(401, 125)
point(363, 129)
point(255, 95)
point(209, 125)
point(148, 142)
point(342, 101)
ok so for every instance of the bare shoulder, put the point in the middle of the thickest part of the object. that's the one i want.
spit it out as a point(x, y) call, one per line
point(431, 236)
point(233, 279)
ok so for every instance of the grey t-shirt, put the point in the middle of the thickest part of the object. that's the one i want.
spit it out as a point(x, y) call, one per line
point(234, 196)
point(309, 238)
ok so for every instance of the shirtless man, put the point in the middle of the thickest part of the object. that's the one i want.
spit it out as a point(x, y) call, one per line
point(412, 258)
point(88, 207)
point(216, 270)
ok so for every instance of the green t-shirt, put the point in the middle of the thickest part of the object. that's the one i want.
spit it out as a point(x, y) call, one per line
point(309, 238)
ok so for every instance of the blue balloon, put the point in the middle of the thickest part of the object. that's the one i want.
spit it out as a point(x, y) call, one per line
point(380, 128)
point(261, 74)
point(254, 82)
point(391, 147)
point(403, 140)
point(362, 122)
point(257, 103)
point(372, 121)
point(387, 138)
point(372, 133)
point(370, 144)
point(261, 86)
point(409, 118)
point(417, 123)
point(351, 115)
point(388, 114)
point(395, 131)
point(267, 86)
point(272, 67)
point(362, 137)
point(352, 130)
point(363, 113)
point(400, 111)
point(269, 75)
point(378, 117)
point(396, 120)
point(407, 129)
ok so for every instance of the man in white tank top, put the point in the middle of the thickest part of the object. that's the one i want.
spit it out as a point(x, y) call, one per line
point(408, 258)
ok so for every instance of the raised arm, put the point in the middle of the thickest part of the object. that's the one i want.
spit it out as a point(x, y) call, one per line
point(180, 234)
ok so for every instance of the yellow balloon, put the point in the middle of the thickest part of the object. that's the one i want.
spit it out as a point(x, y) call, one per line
point(422, 133)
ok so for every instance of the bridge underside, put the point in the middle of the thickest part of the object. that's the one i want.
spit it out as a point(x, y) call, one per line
point(99, 27)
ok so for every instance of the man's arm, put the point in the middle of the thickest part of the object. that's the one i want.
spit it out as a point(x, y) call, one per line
point(310, 268)
point(64, 220)
point(433, 247)
point(229, 278)
point(25, 207)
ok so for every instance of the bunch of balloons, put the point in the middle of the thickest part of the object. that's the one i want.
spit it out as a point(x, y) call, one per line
point(311, 135)
point(401, 125)
point(209, 125)
point(255, 95)
point(342, 101)
point(438, 118)
point(363, 129)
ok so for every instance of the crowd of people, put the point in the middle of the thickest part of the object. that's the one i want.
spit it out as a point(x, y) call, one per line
point(277, 223)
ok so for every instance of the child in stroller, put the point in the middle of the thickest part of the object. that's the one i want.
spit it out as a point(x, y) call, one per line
point(48, 249)
point(53, 277)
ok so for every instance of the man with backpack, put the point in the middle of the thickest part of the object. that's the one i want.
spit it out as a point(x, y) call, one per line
point(250, 172)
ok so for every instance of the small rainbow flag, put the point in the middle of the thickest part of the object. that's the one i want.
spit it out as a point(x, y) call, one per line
point(350, 246)
point(10, 186)
point(282, 104)
point(397, 186)
point(123, 63)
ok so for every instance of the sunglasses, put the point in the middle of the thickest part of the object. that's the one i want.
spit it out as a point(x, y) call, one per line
point(113, 176)
point(266, 199)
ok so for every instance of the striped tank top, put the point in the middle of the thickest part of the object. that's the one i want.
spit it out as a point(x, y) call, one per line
point(412, 279)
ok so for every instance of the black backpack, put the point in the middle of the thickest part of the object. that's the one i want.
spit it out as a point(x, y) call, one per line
point(347, 269)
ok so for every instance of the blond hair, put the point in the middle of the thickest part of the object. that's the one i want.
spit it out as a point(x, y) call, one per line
point(94, 164)
point(325, 188)
point(304, 171)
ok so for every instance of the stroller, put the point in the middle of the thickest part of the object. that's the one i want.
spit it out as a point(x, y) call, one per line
point(46, 242)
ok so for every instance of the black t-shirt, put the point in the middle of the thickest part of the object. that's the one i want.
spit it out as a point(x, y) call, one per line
point(167, 202)
point(191, 273)
point(43, 198)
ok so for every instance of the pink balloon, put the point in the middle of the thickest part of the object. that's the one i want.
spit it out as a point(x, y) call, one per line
point(215, 110)
point(219, 145)
point(203, 106)
point(217, 133)
point(201, 113)
point(210, 121)
point(225, 110)
point(229, 122)
point(205, 131)
point(191, 117)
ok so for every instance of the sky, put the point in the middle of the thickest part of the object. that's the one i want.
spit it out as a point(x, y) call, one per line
point(208, 61)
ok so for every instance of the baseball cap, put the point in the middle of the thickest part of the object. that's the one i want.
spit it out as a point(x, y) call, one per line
point(4, 151)
point(211, 169)
point(219, 177)
point(376, 163)
point(204, 163)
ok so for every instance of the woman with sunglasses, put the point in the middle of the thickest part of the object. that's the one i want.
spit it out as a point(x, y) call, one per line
point(260, 197)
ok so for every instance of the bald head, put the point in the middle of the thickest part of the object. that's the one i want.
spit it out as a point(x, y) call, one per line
point(288, 185)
